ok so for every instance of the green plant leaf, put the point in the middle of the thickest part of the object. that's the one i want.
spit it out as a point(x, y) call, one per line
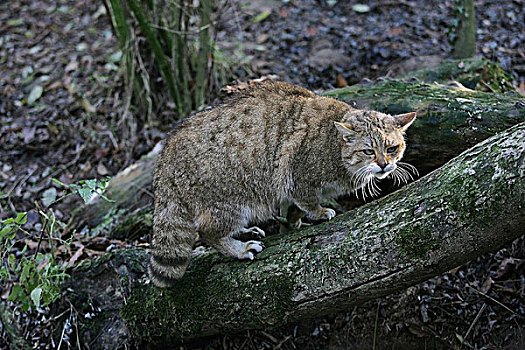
point(26, 270)
point(12, 261)
point(49, 196)
point(6, 230)
point(92, 184)
point(35, 94)
point(36, 295)
point(85, 193)
point(21, 218)
point(13, 294)
point(25, 305)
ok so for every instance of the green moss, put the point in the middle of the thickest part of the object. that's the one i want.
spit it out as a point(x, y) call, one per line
point(184, 309)
point(93, 264)
point(475, 208)
point(108, 221)
point(135, 226)
point(474, 73)
point(169, 309)
point(415, 241)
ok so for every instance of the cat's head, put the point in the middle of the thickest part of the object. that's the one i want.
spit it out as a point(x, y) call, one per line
point(373, 143)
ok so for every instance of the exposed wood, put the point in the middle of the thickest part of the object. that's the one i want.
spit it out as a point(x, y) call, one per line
point(470, 206)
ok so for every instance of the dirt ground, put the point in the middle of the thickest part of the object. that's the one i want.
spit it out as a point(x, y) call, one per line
point(61, 102)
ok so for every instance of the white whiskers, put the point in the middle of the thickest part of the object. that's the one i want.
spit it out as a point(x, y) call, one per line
point(404, 173)
point(365, 181)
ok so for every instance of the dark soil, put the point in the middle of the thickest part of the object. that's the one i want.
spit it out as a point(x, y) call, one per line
point(75, 130)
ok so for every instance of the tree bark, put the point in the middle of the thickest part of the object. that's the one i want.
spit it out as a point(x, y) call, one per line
point(465, 40)
point(470, 206)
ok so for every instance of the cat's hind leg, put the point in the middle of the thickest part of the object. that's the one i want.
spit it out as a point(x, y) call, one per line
point(222, 228)
point(294, 216)
point(234, 248)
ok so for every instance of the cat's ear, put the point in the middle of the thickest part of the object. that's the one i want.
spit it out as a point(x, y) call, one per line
point(345, 129)
point(403, 121)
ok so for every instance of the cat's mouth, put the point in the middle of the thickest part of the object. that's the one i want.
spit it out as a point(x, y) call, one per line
point(382, 174)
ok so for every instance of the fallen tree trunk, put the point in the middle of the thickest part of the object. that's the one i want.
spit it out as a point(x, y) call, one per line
point(470, 206)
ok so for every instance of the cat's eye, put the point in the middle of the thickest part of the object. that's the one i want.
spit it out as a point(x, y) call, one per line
point(392, 149)
point(368, 152)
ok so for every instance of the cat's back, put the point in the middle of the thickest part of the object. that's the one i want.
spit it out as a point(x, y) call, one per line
point(262, 102)
point(260, 113)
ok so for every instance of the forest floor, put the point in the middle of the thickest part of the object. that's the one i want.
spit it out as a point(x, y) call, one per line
point(61, 98)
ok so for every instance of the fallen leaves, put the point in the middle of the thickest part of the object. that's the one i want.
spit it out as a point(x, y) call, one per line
point(261, 16)
point(49, 196)
point(361, 8)
point(35, 94)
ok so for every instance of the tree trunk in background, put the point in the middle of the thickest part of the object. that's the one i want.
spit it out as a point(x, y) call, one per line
point(470, 206)
point(465, 40)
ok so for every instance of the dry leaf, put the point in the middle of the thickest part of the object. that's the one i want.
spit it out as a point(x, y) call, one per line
point(262, 38)
point(71, 66)
point(395, 31)
point(28, 133)
point(486, 285)
point(75, 256)
point(35, 94)
point(102, 170)
point(340, 81)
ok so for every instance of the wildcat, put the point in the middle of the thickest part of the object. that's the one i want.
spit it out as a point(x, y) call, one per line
point(236, 163)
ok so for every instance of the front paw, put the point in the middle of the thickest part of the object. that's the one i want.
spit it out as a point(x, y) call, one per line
point(323, 214)
point(329, 213)
point(250, 233)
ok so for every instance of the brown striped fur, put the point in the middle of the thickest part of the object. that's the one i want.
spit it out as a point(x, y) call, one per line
point(236, 163)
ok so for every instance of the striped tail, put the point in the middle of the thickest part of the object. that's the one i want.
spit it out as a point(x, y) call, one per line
point(173, 240)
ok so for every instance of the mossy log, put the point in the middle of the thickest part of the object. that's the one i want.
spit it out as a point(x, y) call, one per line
point(475, 73)
point(450, 120)
point(470, 206)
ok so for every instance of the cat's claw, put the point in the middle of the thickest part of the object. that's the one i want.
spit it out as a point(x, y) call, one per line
point(322, 214)
point(252, 248)
point(329, 213)
point(255, 232)
point(249, 233)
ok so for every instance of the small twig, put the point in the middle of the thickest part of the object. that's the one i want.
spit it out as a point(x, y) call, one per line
point(494, 300)
point(475, 320)
point(180, 32)
point(375, 325)
point(145, 191)
point(269, 336)
point(64, 167)
point(18, 183)
point(41, 232)
point(278, 346)
point(62, 336)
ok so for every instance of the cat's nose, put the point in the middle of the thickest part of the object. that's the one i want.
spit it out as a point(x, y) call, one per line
point(382, 164)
